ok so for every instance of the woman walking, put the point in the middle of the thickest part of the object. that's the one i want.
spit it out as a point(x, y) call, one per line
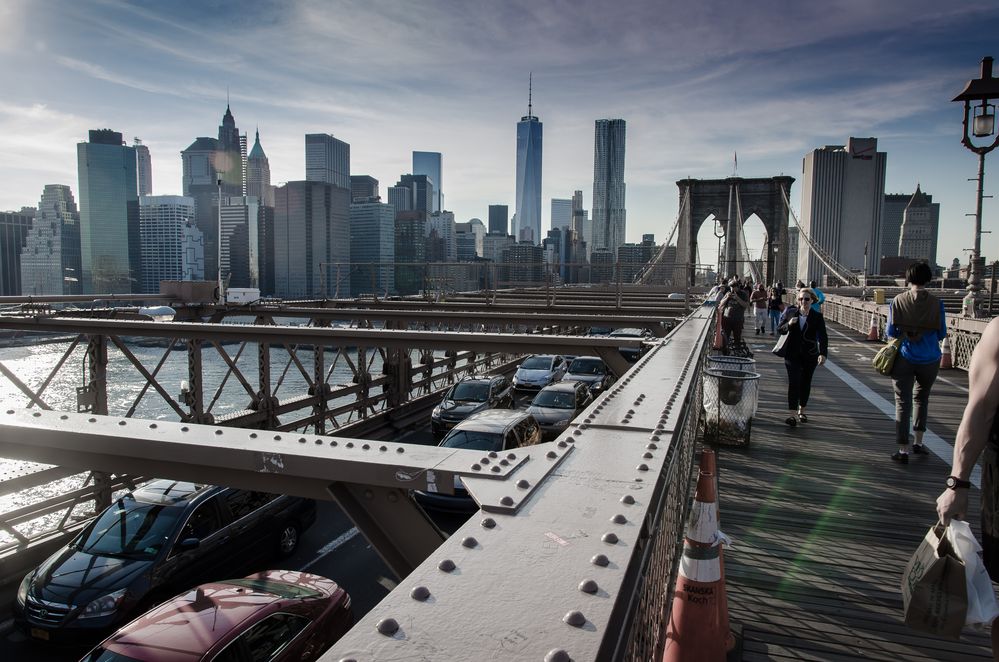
point(917, 317)
point(806, 347)
point(775, 305)
point(759, 300)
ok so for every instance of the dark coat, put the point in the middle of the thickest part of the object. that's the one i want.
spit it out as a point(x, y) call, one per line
point(807, 346)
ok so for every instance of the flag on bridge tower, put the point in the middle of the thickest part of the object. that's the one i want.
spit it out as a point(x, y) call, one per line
point(735, 158)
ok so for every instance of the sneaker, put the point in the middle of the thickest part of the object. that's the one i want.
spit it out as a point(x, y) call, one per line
point(900, 457)
point(791, 420)
point(919, 449)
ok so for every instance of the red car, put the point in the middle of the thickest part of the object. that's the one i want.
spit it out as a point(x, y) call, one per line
point(274, 615)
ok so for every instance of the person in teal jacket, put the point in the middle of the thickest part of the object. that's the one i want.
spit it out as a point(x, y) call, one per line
point(917, 317)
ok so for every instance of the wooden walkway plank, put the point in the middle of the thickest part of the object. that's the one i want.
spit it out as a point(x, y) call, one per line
point(822, 521)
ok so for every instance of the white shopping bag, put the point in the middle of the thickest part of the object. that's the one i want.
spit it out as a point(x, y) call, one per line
point(982, 605)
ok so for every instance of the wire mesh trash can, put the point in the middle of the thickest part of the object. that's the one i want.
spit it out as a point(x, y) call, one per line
point(739, 363)
point(730, 399)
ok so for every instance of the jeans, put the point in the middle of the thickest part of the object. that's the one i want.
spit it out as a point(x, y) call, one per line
point(774, 320)
point(761, 319)
point(903, 376)
point(799, 381)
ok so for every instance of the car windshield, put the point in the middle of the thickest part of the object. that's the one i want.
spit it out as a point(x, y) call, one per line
point(537, 363)
point(130, 529)
point(555, 399)
point(470, 392)
point(473, 440)
point(587, 367)
point(280, 589)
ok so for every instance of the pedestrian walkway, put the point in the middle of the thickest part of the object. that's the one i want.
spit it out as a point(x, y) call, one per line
point(822, 521)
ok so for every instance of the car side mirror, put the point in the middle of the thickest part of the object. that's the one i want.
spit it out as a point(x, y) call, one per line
point(187, 544)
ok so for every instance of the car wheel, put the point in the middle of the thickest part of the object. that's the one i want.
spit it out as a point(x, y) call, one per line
point(288, 539)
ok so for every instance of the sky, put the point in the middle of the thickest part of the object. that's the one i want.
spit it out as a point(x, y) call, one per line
point(697, 83)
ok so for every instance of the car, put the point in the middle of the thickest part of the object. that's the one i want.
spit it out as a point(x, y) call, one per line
point(555, 406)
point(146, 546)
point(538, 371)
point(598, 330)
point(676, 296)
point(490, 430)
point(467, 397)
point(277, 615)
point(630, 354)
point(589, 369)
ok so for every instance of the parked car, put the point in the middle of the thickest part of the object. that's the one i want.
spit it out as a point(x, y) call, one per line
point(631, 354)
point(598, 330)
point(148, 545)
point(490, 430)
point(555, 406)
point(589, 369)
point(277, 615)
point(677, 296)
point(538, 371)
point(469, 396)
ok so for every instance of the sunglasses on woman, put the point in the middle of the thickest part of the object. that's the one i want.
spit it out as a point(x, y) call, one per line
point(804, 298)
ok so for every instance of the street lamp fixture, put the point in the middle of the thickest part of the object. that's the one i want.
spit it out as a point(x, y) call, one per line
point(719, 231)
point(979, 128)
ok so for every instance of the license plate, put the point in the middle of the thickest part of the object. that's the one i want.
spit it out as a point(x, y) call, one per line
point(39, 633)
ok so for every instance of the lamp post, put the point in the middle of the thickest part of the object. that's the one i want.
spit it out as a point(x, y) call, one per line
point(219, 243)
point(979, 130)
point(719, 230)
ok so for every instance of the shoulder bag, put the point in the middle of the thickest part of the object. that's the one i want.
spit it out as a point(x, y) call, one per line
point(780, 349)
point(884, 360)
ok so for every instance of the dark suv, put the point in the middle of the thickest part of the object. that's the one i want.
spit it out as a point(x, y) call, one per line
point(149, 545)
point(470, 396)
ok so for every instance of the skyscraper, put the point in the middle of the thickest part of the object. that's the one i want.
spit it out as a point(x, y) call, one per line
point(363, 188)
point(143, 167)
point(561, 213)
point(173, 247)
point(312, 239)
point(372, 247)
point(527, 218)
point(50, 261)
point(919, 228)
point(14, 229)
point(608, 185)
point(110, 246)
point(891, 222)
point(240, 241)
point(258, 175)
point(410, 250)
point(499, 219)
point(429, 164)
point(443, 224)
point(842, 200)
point(327, 160)
point(412, 192)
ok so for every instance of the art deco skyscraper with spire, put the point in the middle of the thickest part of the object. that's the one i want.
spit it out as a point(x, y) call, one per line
point(527, 222)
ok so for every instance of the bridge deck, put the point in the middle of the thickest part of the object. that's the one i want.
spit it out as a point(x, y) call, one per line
point(823, 522)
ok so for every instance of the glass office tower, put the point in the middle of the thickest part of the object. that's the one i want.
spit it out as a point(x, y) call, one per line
point(429, 164)
point(527, 221)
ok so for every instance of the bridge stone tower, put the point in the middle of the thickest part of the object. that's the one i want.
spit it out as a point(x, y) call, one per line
point(732, 200)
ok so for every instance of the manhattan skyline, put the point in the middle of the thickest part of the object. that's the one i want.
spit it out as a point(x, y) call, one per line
point(696, 84)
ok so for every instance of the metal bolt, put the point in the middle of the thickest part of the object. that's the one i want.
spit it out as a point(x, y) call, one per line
point(495, 469)
point(119, 422)
point(447, 565)
point(484, 460)
point(504, 463)
point(183, 428)
point(554, 655)
point(506, 501)
point(301, 440)
point(388, 626)
point(350, 444)
point(551, 455)
point(523, 483)
point(511, 456)
point(420, 593)
point(333, 443)
point(600, 560)
point(64, 417)
point(654, 437)
point(562, 444)
point(10, 411)
point(218, 432)
point(476, 467)
point(628, 499)
point(577, 432)
point(277, 437)
point(38, 413)
point(610, 538)
point(488, 522)
point(619, 519)
point(651, 447)
point(253, 435)
point(647, 456)
point(588, 586)
point(493, 454)
point(642, 467)
point(366, 447)
point(383, 448)
point(469, 541)
point(400, 450)
point(575, 618)
point(318, 442)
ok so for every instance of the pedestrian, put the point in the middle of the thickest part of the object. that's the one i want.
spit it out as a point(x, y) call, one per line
point(733, 307)
point(775, 306)
point(806, 348)
point(917, 317)
point(820, 296)
point(978, 435)
point(759, 300)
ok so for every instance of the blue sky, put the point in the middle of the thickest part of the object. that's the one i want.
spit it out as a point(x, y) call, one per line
point(696, 81)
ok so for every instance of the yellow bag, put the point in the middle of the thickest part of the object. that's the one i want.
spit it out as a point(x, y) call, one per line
point(884, 360)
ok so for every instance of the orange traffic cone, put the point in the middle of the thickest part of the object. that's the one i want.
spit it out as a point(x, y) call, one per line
point(945, 358)
point(873, 333)
point(708, 465)
point(695, 631)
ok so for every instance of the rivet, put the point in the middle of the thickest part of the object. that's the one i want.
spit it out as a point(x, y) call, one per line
point(253, 435)
point(152, 426)
point(488, 522)
point(348, 659)
point(400, 450)
point(493, 454)
point(366, 447)
point(628, 499)
point(624, 421)
point(10, 411)
point(619, 519)
point(318, 442)
point(476, 467)
point(183, 428)
point(495, 469)
point(277, 437)
point(642, 467)
point(469, 541)
point(332, 443)
point(577, 432)
point(647, 455)
point(383, 448)
point(447, 565)
point(506, 501)
point(388, 626)
point(610, 538)
point(523, 483)
point(651, 447)
point(38, 413)
point(484, 460)
point(218, 432)
point(588, 586)
point(350, 444)
point(555, 655)
point(420, 593)
point(301, 440)
point(64, 417)
point(562, 444)
point(575, 618)
point(119, 422)
point(551, 455)
point(504, 463)
point(600, 560)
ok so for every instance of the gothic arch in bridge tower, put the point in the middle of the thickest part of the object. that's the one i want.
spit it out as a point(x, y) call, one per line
point(730, 199)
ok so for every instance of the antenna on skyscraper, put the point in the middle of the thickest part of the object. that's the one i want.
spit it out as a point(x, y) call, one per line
point(530, 89)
